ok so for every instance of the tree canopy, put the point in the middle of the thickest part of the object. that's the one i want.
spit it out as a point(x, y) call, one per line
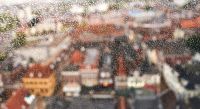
point(7, 22)
point(193, 43)
point(20, 40)
point(2, 56)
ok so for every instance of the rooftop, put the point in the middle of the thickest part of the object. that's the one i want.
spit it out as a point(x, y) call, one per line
point(16, 101)
point(169, 47)
point(38, 71)
point(91, 56)
point(99, 30)
point(122, 103)
point(92, 103)
point(189, 72)
point(190, 23)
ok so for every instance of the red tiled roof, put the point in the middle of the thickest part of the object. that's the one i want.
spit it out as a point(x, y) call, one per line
point(122, 103)
point(77, 57)
point(121, 70)
point(99, 30)
point(198, 20)
point(38, 71)
point(151, 87)
point(191, 23)
point(16, 101)
point(188, 24)
point(181, 58)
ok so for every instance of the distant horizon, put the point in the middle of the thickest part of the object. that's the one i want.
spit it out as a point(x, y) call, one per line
point(17, 2)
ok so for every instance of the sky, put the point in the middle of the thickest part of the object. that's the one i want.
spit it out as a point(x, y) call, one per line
point(14, 2)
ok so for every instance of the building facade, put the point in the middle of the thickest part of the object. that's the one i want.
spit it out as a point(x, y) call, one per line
point(71, 83)
point(17, 100)
point(89, 69)
point(40, 80)
point(89, 77)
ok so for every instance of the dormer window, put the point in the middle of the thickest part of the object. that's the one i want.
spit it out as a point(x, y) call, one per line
point(88, 67)
point(39, 74)
point(14, 93)
point(51, 66)
point(23, 107)
point(58, 59)
point(31, 74)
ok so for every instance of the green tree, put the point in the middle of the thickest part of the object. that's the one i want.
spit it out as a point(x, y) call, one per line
point(114, 6)
point(2, 56)
point(7, 22)
point(20, 40)
point(193, 43)
point(148, 8)
point(91, 2)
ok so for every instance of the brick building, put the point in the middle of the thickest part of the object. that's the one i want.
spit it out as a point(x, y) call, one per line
point(40, 80)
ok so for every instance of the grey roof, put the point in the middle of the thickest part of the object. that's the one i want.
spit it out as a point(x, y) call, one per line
point(146, 100)
point(87, 103)
point(91, 56)
point(169, 47)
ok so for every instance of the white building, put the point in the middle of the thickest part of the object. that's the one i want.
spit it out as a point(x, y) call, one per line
point(100, 7)
point(25, 14)
point(71, 83)
point(120, 82)
point(89, 77)
point(77, 9)
point(47, 25)
point(141, 81)
point(38, 54)
point(89, 70)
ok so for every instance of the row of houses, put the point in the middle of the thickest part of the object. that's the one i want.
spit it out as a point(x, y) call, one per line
point(175, 61)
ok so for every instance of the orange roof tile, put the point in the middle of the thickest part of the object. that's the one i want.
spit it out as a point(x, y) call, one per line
point(121, 70)
point(38, 71)
point(77, 57)
point(16, 101)
point(122, 103)
point(191, 23)
point(188, 24)
point(99, 30)
point(198, 21)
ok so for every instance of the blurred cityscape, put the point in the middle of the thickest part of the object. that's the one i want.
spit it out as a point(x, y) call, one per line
point(99, 54)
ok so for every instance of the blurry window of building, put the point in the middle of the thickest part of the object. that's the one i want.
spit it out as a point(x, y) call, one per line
point(46, 90)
